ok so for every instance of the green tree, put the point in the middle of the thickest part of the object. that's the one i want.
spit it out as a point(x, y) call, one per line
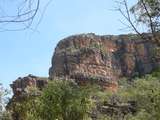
point(148, 12)
point(144, 14)
point(144, 92)
point(25, 107)
point(64, 100)
point(147, 94)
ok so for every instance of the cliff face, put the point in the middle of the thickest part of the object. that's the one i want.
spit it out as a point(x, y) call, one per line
point(103, 59)
point(22, 89)
point(20, 85)
point(100, 59)
point(92, 58)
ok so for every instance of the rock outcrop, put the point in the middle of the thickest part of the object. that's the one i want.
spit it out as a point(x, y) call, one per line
point(29, 86)
point(19, 86)
point(99, 59)
point(96, 59)
point(103, 59)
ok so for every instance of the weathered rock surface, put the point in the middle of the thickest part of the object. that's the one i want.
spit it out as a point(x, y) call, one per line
point(98, 59)
point(23, 88)
point(104, 59)
point(19, 86)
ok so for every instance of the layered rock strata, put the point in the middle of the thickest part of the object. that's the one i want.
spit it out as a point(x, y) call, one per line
point(19, 86)
point(103, 59)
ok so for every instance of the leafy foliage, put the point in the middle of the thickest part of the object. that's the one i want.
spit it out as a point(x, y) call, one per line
point(60, 100)
point(64, 100)
point(146, 10)
point(145, 92)
point(25, 107)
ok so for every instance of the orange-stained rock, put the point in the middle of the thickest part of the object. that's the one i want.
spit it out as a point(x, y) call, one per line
point(19, 86)
point(86, 56)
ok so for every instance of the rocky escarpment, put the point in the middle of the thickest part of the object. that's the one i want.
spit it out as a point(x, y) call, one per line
point(20, 85)
point(24, 87)
point(93, 58)
point(99, 59)
point(103, 59)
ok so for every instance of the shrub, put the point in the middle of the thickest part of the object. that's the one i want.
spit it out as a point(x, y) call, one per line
point(63, 100)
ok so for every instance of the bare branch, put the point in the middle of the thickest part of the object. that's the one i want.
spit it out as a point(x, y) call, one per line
point(153, 30)
point(21, 17)
point(127, 16)
point(23, 14)
point(146, 16)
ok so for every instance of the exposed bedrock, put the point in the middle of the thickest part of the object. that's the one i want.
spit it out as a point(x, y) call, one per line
point(104, 59)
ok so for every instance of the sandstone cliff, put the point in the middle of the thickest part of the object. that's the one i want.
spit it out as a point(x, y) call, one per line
point(20, 85)
point(93, 58)
point(101, 59)
point(104, 59)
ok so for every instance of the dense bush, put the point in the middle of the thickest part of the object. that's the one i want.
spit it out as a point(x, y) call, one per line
point(60, 100)
point(145, 92)
point(65, 100)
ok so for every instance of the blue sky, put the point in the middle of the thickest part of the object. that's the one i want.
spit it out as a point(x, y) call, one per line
point(30, 52)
